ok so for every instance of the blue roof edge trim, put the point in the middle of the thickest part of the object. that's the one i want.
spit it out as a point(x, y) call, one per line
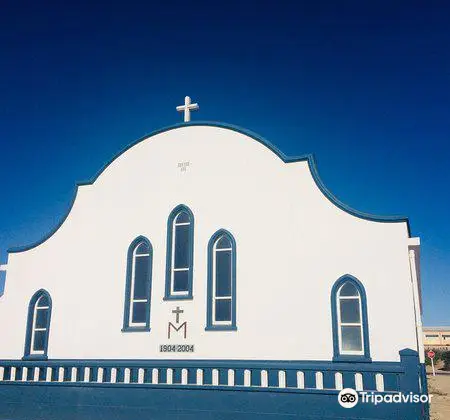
point(371, 217)
point(49, 234)
point(286, 159)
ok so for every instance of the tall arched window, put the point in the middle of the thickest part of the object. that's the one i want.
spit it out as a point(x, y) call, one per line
point(138, 286)
point(180, 251)
point(349, 311)
point(38, 325)
point(221, 308)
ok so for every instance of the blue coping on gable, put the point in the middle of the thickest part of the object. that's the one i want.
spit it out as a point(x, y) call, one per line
point(309, 158)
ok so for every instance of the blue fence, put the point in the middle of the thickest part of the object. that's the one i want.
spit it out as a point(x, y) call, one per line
point(205, 389)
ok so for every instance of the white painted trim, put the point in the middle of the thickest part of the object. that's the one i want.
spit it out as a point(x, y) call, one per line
point(34, 329)
point(214, 297)
point(417, 314)
point(349, 324)
point(414, 241)
point(174, 269)
point(133, 280)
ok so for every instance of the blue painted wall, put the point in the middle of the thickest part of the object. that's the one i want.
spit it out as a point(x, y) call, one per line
point(46, 402)
point(41, 397)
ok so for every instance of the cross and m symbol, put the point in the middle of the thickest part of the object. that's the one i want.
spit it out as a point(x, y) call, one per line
point(177, 312)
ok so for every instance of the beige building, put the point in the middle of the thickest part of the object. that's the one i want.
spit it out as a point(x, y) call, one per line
point(437, 338)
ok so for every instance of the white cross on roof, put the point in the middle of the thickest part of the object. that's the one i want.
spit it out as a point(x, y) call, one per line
point(187, 108)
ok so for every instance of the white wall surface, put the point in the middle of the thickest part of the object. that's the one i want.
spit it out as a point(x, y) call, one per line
point(292, 245)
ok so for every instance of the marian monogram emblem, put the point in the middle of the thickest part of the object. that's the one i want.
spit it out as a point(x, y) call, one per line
point(176, 329)
point(178, 325)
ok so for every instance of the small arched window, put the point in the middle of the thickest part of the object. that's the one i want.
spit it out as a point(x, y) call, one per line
point(350, 327)
point(180, 245)
point(221, 310)
point(138, 285)
point(38, 325)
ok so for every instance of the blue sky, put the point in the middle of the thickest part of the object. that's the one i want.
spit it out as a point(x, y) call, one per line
point(366, 88)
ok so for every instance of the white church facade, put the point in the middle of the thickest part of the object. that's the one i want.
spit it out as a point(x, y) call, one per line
point(202, 261)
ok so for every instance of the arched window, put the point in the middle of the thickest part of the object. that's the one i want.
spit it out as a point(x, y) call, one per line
point(38, 325)
point(138, 286)
point(221, 308)
point(180, 246)
point(349, 311)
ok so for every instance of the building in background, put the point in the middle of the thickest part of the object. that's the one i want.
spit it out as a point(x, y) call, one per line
point(436, 338)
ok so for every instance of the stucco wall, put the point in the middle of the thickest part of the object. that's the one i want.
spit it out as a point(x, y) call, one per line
point(292, 245)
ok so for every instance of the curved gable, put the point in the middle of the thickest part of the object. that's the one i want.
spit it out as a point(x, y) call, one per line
point(273, 150)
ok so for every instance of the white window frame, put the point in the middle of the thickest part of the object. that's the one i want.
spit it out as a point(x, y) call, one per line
point(133, 277)
point(173, 269)
point(35, 329)
point(350, 324)
point(216, 298)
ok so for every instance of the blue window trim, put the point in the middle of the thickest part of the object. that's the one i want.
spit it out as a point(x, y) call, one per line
point(30, 321)
point(337, 357)
point(209, 315)
point(126, 314)
point(170, 220)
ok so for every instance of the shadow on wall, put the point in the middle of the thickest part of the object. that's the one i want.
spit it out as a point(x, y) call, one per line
point(2, 282)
